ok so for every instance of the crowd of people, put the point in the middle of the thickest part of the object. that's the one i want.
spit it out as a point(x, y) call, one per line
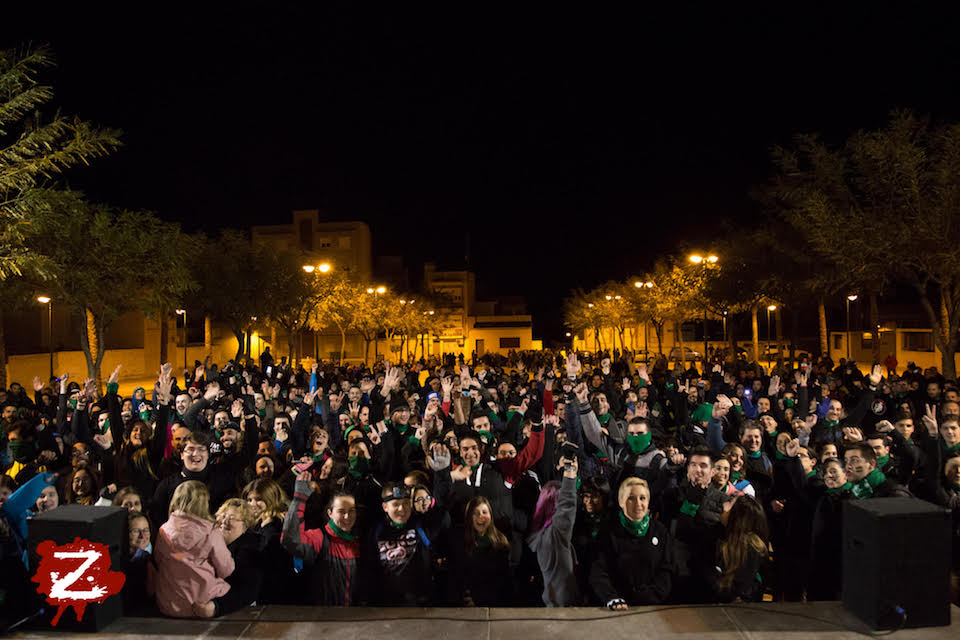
point(442, 483)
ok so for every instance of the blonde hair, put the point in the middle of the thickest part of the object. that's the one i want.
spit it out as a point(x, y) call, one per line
point(246, 513)
point(274, 499)
point(628, 484)
point(193, 498)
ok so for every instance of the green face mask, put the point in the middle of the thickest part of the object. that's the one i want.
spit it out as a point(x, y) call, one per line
point(639, 443)
point(23, 451)
point(788, 403)
point(358, 466)
point(72, 403)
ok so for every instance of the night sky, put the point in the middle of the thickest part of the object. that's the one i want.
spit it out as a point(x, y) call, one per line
point(570, 147)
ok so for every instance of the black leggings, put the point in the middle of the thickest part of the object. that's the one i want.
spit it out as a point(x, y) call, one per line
point(244, 590)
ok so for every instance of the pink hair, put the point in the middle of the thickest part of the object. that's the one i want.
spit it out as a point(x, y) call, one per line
point(546, 505)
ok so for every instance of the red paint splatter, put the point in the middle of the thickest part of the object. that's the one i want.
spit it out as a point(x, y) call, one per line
point(75, 575)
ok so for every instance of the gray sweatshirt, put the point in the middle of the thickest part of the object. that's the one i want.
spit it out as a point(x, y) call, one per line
point(554, 549)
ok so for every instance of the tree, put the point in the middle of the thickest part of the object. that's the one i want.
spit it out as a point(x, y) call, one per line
point(34, 148)
point(234, 283)
point(582, 313)
point(895, 194)
point(105, 262)
point(291, 296)
point(335, 303)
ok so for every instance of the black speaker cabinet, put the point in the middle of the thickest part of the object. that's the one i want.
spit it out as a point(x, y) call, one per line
point(896, 554)
point(105, 525)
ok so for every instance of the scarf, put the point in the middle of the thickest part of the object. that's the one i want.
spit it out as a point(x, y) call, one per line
point(954, 449)
point(846, 487)
point(358, 466)
point(636, 529)
point(639, 443)
point(482, 542)
point(882, 461)
point(735, 476)
point(604, 419)
point(756, 454)
point(865, 488)
point(340, 533)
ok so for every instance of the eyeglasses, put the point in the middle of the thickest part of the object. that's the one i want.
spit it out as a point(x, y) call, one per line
point(193, 450)
point(140, 532)
point(80, 454)
point(422, 501)
point(228, 520)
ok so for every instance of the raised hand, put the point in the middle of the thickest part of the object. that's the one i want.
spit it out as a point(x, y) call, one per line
point(801, 378)
point(769, 423)
point(580, 391)
point(929, 420)
point(193, 392)
point(810, 422)
point(236, 409)
point(314, 367)
point(717, 369)
point(605, 366)
point(551, 419)
point(642, 372)
point(625, 384)
point(439, 458)
point(366, 386)
point(876, 375)
point(164, 384)
point(774, 388)
point(64, 382)
point(354, 409)
point(115, 376)
point(573, 365)
point(884, 426)
point(198, 373)
point(374, 437)
point(446, 384)
point(461, 473)
point(336, 399)
point(37, 384)
point(309, 397)
point(524, 405)
point(793, 448)
point(642, 410)
point(213, 390)
point(166, 369)
point(722, 406)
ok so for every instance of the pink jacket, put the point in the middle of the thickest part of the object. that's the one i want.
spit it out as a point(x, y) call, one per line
point(192, 562)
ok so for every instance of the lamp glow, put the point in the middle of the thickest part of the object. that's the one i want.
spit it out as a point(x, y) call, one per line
point(43, 299)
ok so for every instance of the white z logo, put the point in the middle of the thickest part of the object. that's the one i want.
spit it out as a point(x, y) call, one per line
point(60, 585)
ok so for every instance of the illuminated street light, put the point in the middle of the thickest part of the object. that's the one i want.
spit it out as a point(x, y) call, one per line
point(616, 297)
point(852, 297)
point(648, 285)
point(381, 290)
point(638, 284)
point(568, 335)
point(696, 259)
point(712, 259)
point(403, 302)
point(772, 307)
point(431, 313)
point(324, 268)
point(590, 304)
point(609, 297)
point(46, 300)
point(308, 268)
point(370, 290)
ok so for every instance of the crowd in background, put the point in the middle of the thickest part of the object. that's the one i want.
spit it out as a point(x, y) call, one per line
point(535, 479)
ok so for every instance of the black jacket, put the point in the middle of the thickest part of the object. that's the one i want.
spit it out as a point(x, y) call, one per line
point(639, 570)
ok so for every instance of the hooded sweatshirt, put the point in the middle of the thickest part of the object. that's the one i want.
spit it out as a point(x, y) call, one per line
point(191, 565)
point(554, 548)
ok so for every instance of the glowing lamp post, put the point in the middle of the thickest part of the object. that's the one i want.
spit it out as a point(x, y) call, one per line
point(46, 300)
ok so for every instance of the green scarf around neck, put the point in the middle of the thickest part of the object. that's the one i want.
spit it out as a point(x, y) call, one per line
point(866, 487)
point(943, 445)
point(882, 461)
point(340, 533)
point(604, 419)
point(637, 529)
point(846, 487)
point(755, 454)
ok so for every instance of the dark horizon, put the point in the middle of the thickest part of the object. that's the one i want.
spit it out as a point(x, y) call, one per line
point(572, 148)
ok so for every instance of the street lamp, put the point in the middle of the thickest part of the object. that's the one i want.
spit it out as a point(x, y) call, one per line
point(698, 259)
point(46, 300)
point(376, 341)
point(322, 268)
point(850, 298)
point(770, 308)
point(183, 312)
point(309, 268)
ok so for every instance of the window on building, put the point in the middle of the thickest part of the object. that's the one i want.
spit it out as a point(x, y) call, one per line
point(918, 341)
point(837, 341)
point(325, 243)
point(866, 341)
point(509, 343)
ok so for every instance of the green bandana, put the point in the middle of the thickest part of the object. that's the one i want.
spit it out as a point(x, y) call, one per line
point(846, 487)
point(812, 473)
point(396, 525)
point(262, 413)
point(831, 423)
point(778, 455)
point(882, 461)
point(788, 402)
point(755, 454)
point(600, 454)
point(689, 508)
point(864, 488)
point(340, 533)
point(113, 387)
point(604, 419)
point(943, 445)
point(738, 408)
point(358, 466)
point(23, 451)
point(638, 529)
point(488, 435)
point(735, 476)
point(639, 443)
